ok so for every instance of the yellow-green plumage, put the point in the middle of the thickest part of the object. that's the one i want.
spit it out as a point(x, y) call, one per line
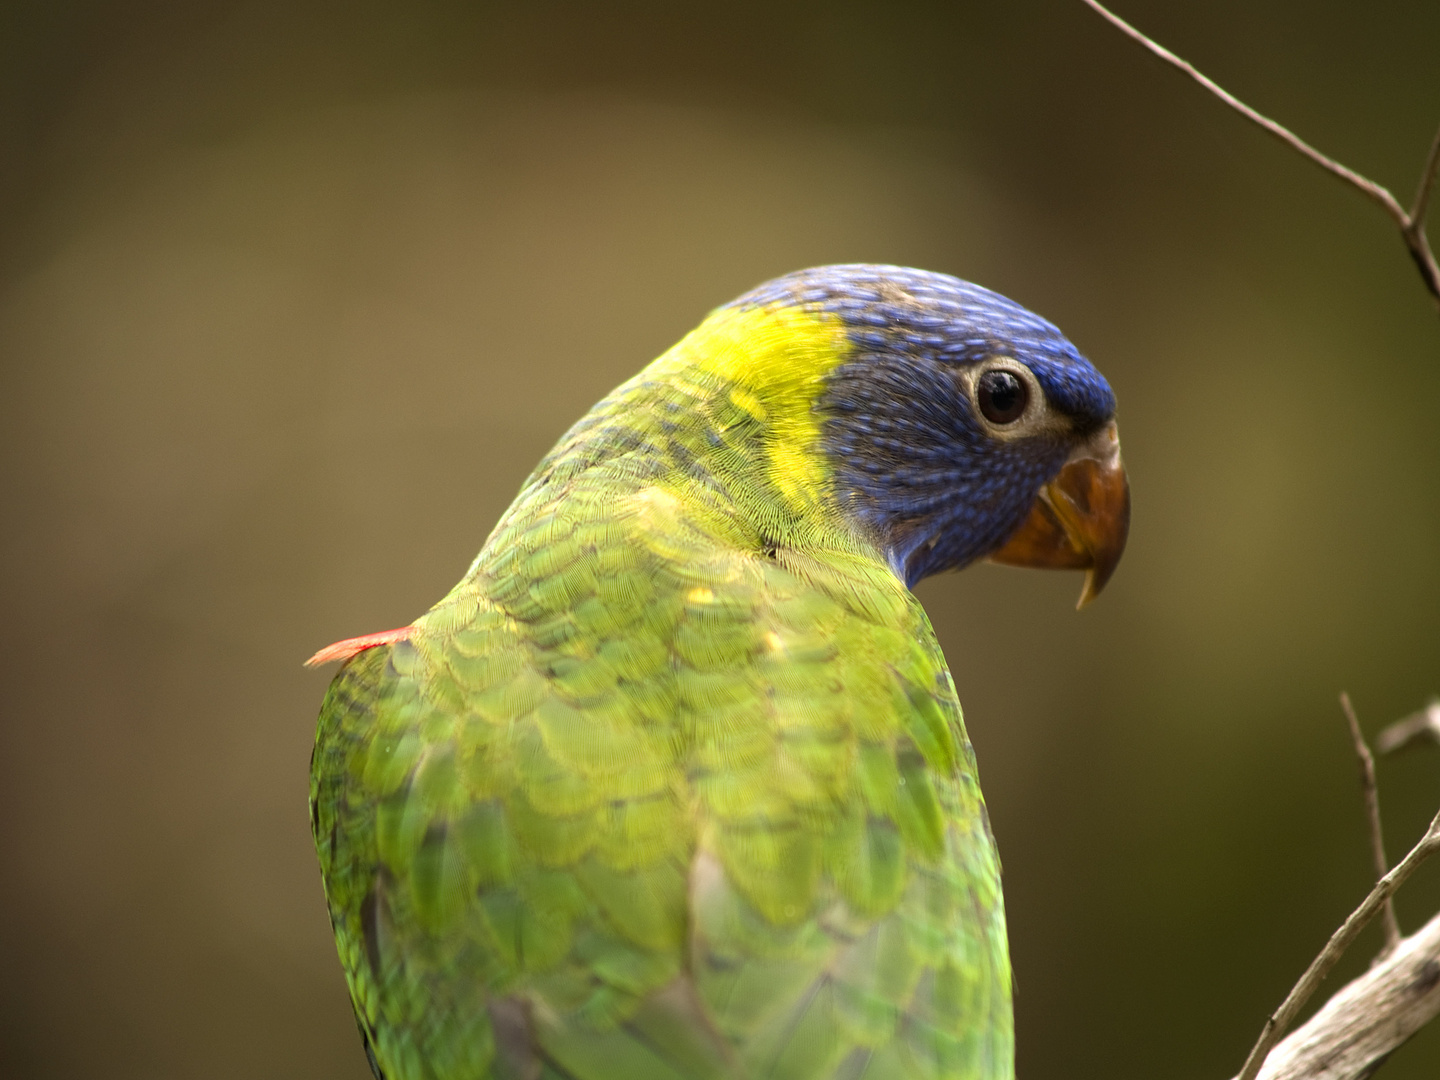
point(674, 783)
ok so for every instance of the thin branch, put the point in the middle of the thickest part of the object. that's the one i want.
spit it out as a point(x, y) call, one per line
point(1372, 811)
point(1341, 940)
point(1367, 1019)
point(1373, 190)
point(1411, 224)
point(1404, 732)
point(1427, 184)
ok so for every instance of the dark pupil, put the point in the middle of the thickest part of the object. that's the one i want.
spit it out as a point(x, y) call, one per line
point(1003, 397)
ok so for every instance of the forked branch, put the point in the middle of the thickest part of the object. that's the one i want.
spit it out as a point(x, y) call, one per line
point(1365, 1021)
point(1411, 223)
point(1341, 940)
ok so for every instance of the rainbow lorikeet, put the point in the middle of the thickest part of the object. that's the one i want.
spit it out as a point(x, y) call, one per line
point(674, 784)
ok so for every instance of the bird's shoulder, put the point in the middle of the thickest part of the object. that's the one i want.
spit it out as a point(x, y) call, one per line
point(645, 640)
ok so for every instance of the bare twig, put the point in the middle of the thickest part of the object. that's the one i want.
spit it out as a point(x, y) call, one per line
point(1372, 812)
point(1427, 184)
point(1411, 224)
point(1341, 940)
point(1367, 1019)
point(1404, 732)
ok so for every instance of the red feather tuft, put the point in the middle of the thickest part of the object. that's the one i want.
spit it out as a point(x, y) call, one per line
point(344, 650)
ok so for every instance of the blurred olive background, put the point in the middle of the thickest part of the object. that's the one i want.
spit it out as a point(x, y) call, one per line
point(293, 295)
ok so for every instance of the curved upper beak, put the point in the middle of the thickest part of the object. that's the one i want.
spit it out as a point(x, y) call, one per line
point(1080, 519)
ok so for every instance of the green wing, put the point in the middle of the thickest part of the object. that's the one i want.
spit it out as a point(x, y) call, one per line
point(646, 798)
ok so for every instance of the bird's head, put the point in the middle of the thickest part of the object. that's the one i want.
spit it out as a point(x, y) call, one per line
point(956, 425)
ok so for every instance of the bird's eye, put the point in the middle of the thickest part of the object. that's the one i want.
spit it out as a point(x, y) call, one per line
point(1002, 396)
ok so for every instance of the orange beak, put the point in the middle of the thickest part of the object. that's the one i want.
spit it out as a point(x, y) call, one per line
point(1080, 519)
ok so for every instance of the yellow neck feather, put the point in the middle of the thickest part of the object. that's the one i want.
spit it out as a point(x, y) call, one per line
point(772, 364)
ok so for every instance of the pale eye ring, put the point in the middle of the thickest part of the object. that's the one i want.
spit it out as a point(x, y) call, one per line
point(1002, 396)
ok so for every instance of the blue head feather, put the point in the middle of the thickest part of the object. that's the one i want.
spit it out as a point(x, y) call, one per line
point(913, 464)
